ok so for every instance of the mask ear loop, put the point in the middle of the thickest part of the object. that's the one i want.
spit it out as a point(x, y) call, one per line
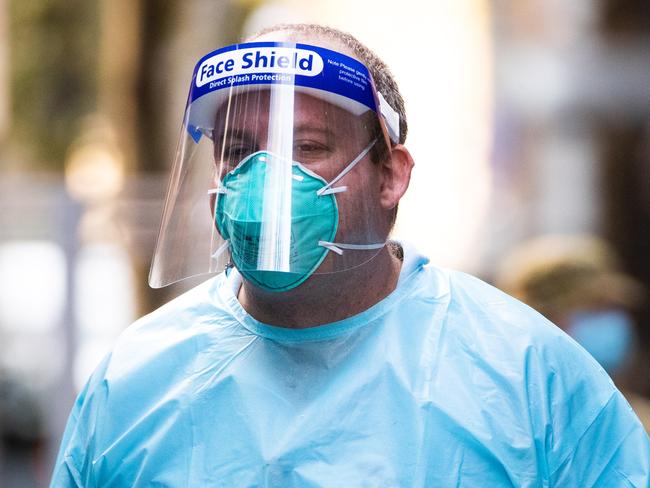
point(221, 249)
point(338, 247)
point(327, 189)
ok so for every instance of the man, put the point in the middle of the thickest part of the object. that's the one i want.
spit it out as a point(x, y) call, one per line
point(328, 356)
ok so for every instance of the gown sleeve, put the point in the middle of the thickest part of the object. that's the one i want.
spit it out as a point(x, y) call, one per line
point(612, 451)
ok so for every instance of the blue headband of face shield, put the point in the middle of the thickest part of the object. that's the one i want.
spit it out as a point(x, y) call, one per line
point(275, 215)
point(330, 75)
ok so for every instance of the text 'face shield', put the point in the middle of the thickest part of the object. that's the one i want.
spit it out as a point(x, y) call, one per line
point(276, 171)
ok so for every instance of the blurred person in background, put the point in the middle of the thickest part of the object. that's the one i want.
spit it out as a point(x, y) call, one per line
point(326, 354)
point(576, 281)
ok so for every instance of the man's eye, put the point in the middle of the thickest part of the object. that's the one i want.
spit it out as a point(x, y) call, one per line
point(237, 153)
point(309, 150)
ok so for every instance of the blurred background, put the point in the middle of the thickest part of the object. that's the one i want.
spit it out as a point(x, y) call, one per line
point(527, 118)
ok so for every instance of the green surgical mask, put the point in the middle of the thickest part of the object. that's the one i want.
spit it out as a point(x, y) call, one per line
point(314, 220)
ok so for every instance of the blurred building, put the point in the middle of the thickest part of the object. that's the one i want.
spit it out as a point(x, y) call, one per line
point(572, 118)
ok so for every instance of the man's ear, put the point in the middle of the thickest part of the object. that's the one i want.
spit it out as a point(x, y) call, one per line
point(396, 175)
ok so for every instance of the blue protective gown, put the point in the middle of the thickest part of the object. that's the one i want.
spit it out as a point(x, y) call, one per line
point(446, 382)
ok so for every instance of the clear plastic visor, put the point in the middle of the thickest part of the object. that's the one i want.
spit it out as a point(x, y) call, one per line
point(281, 181)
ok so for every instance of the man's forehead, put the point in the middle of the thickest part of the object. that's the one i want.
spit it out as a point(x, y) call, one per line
point(252, 108)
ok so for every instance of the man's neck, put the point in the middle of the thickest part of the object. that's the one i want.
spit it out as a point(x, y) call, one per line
point(325, 298)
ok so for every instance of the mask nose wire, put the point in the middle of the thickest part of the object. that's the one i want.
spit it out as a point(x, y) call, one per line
point(327, 189)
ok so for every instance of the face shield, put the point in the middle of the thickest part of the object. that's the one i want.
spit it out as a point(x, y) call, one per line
point(277, 168)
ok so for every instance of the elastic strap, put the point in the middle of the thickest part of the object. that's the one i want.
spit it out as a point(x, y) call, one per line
point(218, 252)
point(328, 188)
point(338, 247)
point(391, 117)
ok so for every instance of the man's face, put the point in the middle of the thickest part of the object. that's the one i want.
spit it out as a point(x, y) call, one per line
point(325, 139)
